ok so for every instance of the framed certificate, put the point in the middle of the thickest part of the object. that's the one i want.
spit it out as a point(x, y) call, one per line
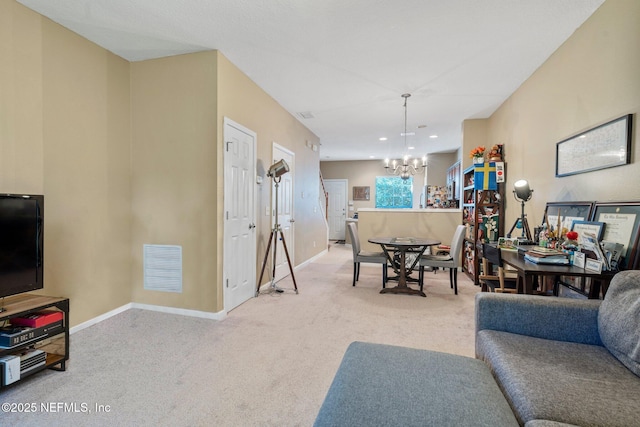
point(622, 221)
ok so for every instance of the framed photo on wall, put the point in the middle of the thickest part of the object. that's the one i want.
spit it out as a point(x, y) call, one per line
point(361, 193)
point(602, 147)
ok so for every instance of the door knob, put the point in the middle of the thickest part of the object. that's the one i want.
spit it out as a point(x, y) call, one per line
point(292, 220)
point(252, 225)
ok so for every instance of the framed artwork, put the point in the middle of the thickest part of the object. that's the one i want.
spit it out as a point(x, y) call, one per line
point(361, 193)
point(563, 214)
point(622, 221)
point(602, 147)
point(593, 227)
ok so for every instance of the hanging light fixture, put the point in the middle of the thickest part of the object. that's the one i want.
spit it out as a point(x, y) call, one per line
point(405, 169)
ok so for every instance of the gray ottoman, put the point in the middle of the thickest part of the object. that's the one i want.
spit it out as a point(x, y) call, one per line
point(383, 385)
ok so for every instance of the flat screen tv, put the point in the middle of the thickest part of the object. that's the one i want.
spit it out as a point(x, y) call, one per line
point(21, 243)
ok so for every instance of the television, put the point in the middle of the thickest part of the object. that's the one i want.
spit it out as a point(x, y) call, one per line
point(21, 243)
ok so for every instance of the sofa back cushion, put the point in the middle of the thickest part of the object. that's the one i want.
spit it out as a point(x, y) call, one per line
point(619, 319)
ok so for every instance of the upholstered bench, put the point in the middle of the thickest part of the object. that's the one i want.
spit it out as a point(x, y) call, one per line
point(383, 385)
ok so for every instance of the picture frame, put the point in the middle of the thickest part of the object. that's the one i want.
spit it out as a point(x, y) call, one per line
point(604, 146)
point(508, 243)
point(362, 193)
point(622, 221)
point(594, 227)
point(568, 212)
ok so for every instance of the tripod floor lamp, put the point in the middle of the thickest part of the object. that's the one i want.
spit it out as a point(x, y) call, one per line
point(522, 193)
point(275, 172)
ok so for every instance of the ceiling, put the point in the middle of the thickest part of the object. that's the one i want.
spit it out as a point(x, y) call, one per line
point(346, 63)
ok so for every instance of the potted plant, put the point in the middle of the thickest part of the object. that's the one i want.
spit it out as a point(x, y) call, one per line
point(477, 154)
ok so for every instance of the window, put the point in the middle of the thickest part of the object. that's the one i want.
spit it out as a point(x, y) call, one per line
point(394, 192)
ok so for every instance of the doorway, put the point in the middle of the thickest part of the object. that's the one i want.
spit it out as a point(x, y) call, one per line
point(239, 257)
point(337, 209)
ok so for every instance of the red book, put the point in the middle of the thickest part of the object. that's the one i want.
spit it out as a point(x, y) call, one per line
point(36, 320)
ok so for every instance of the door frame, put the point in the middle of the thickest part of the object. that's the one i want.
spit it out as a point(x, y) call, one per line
point(227, 199)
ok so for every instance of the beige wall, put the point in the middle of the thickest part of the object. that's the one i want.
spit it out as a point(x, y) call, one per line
point(128, 154)
point(174, 180)
point(65, 132)
point(364, 173)
point(21, 99)
point(241, 100)
point(591, 79)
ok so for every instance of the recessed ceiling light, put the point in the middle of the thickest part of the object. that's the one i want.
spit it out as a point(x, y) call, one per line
point(372, 157)
point(433, 136)
point(384, 138)
point(407, 134)
point(411, 148)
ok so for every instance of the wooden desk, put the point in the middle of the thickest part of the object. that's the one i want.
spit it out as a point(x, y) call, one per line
point(527, 271)
point(416, 245)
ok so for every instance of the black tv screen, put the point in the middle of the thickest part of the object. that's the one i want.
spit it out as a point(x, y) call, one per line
point(21, 243)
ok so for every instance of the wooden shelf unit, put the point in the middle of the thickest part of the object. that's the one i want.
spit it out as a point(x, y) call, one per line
point(56, 346)
point(477, 205)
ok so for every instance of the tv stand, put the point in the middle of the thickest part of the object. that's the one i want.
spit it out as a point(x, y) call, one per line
point(55, 344)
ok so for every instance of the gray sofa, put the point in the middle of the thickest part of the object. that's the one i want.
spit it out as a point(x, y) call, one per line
point(544, 362)
point(561, 361)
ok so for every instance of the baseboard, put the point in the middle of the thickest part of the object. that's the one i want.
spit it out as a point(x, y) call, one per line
point(99, 319)
point(221, 315)
point(310, 260)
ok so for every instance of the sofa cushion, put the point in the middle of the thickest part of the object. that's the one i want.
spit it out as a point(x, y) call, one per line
point(561, 381)
point(619, 319)
point(384, 385)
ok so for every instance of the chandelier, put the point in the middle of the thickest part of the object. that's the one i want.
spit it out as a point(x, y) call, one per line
point(404, 168)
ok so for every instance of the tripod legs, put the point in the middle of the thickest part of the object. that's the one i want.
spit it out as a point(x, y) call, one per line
point(274, 235)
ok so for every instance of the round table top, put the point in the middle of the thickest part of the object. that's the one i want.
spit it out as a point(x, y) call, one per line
point(404, 241)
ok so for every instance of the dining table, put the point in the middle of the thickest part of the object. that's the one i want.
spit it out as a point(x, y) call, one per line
point(416, 246)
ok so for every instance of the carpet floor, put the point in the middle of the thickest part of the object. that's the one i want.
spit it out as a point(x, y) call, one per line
point(268, 363)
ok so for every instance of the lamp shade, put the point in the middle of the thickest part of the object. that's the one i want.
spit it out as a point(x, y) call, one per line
point(522, 190)
point(278, 168)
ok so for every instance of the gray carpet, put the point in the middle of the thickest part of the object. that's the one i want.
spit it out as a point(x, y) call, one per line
point(269, 363)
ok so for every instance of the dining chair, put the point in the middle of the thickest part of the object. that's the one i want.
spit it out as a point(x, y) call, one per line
point(502, 282)
point(450, 260)
point(363, 256)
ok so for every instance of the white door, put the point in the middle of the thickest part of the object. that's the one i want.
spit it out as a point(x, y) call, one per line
point(239, 271)
point(337, 210)
point(285, 211)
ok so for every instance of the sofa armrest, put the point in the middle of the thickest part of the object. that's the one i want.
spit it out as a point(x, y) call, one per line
point(560, 319)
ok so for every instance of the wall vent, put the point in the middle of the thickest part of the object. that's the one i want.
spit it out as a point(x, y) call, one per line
point(163, 268)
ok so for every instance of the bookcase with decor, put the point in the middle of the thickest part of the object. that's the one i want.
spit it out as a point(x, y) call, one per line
point(483, 215)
